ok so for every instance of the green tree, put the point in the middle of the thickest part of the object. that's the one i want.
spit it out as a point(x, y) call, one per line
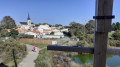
point(14, 33)
point(57, 25)
point(4, 33)
point(76, 29)
point(52, 33)
point(8, 22)
point(7, 47)
point(116, 35)
point(118, 26)
point(114, 27)
point(90, 27)
point(45, 24)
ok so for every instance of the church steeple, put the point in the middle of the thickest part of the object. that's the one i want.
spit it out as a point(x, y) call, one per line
point(28, 20)
point(28, 17)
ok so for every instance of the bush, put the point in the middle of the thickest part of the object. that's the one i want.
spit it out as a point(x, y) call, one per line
point(82, 44)
point(44, 59)
point(8, 47)
point(4, 33)
point(14, 33)
point(115, 43)
point(116, 35)
point(26, 36)
point(52, 33)
point(89, 38)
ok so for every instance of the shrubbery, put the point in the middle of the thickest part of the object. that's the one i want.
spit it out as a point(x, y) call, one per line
point(116, 35)
point(44, 59)
point(7, 48)
point(13, 33)
point(4, 33)
point(26, 36)
point(52, 33)
point(115, 43)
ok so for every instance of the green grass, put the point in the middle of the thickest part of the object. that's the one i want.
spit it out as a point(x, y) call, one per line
point(44, 59)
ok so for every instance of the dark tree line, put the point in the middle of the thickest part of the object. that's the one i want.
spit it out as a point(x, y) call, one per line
point(115, 26)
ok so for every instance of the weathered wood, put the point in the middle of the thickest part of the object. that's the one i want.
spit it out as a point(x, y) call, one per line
point(103, 8)
point(81, 49)
point(100, 49)
point(102, 27)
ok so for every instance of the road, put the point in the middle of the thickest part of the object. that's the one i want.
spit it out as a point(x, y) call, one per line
point(61, 41)
point(28, 61)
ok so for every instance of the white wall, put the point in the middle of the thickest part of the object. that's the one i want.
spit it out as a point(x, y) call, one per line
point(51, 36)
point(31, 33)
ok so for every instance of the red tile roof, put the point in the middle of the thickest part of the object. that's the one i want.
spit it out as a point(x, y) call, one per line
point(35, 31)
point(47, 29)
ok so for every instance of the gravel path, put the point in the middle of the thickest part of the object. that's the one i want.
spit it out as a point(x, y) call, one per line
point(28, 61)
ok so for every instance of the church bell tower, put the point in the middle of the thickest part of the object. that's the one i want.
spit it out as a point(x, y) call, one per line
point(28, 20)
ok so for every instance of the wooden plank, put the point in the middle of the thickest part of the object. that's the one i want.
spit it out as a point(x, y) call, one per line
point(81, 49)
point(103, 8)
point(100, 49)
point(113, 51)
point(102, 27)
point(71, 49)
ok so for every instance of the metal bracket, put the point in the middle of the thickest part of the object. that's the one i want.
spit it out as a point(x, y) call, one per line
point(103, 17)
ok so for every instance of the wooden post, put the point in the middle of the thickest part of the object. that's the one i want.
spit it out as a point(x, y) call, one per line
point(102, 27)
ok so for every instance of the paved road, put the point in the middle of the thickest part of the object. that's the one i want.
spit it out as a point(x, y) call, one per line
point(28, 61)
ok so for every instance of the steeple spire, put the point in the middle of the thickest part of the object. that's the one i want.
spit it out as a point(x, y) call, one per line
point(28, 17)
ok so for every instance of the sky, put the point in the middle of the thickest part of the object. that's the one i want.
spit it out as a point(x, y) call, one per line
point(53, 11)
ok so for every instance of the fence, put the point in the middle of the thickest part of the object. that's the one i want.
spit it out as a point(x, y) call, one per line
point(39, 41)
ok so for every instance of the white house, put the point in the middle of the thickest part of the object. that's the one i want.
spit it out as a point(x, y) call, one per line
point(66, 30)
point(58, 33)
point(51, 36)
point(35, 33)
point(56, 30)
point(44, 27)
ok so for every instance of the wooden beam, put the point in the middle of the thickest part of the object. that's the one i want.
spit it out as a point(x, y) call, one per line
point(102, 27)
point(103, 8)
point(71, 49)
point(100, 49)
point(81, 49)
point(113, 51)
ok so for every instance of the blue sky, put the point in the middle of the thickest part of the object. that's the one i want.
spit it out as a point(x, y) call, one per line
point(53, 11)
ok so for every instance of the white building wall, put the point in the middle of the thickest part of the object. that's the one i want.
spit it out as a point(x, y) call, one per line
point(51, 36)
point(31, 33)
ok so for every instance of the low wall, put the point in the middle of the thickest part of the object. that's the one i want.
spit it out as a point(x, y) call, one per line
point(39, 41)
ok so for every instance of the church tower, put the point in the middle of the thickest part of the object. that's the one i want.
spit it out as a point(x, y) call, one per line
point(28, 20)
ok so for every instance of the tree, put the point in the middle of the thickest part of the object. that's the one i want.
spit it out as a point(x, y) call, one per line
point(14, 33)
point(90, 27)
point(52, 33)
point(4, 33)
point(116, 35)
point(26, 36)
point(114, 27)
point(57, 25)
point(76, 29)
point(118, 26)
point(8, 22)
